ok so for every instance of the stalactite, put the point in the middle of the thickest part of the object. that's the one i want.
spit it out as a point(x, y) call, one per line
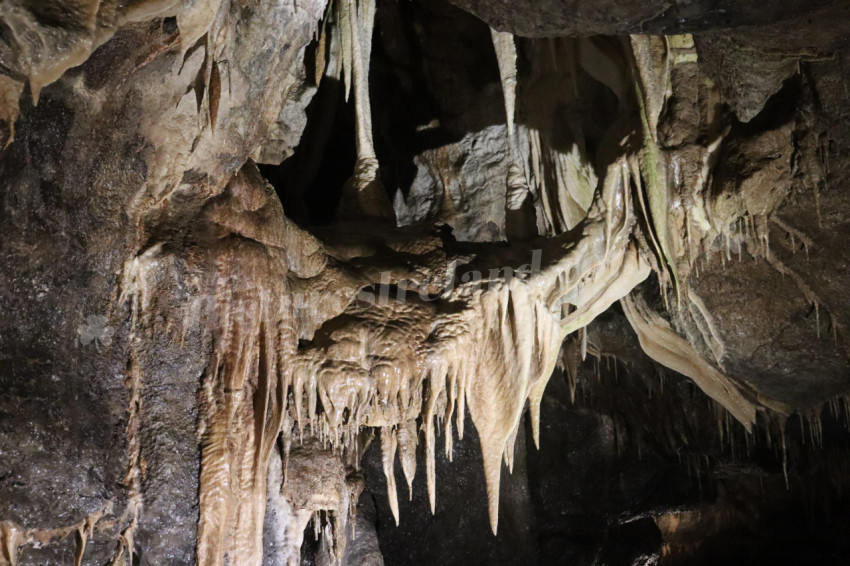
point(671, 350)
point(654, 175)
point(491, 356)
point(13, 536)
point(487, 344)
point(407, 441)
point(561, 180)
point(364, 193)
point(506, 55)
point(389, 443)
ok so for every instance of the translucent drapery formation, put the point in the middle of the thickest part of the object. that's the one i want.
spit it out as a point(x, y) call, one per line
point(671, 350)
point(555, 135)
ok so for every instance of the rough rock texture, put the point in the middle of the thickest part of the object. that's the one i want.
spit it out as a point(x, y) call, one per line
point(653, 225)
point(751, 63)
point(575, 18)
point(462, 185)
point(88, 180)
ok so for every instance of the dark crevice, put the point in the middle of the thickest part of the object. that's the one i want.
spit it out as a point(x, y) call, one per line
point(309, 183)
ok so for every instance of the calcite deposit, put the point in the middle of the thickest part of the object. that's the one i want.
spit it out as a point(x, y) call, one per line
point(268, 267)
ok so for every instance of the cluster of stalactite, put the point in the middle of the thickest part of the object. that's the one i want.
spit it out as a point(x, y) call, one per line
point(308, 356)
point(307, 349)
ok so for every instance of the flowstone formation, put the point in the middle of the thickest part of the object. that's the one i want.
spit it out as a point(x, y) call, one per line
point(196, 371)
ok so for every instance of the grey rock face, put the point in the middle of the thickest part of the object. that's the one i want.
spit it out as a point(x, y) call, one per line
point(550, 18)
point(461, 184)
point(107, 141)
